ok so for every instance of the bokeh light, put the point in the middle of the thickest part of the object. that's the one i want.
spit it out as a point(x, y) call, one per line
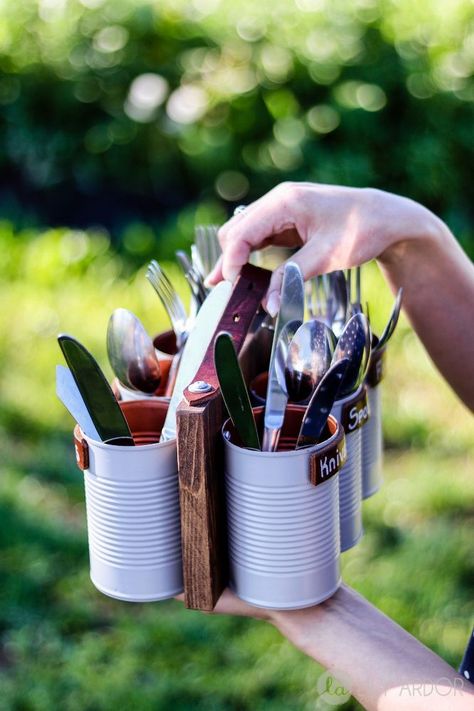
point(187, 104)
point(147, 92)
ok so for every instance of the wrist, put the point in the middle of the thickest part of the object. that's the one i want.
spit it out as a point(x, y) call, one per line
point(312, 628)
point(409, 229)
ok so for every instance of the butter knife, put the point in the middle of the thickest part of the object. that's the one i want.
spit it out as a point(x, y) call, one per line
point(234, 391)
point(291, 309)
point(96, 392)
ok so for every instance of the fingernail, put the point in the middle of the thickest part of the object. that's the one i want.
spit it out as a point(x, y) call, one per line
point(209, 280)
point(231, 275)
point(273, 303)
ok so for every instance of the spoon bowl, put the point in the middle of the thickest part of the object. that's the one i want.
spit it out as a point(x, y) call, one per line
point(131, 352)
point(282, 349)
point(354, 344)
point(309, 356)
point(337, 303)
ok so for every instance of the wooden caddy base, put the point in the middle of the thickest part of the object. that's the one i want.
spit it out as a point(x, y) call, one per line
point(200, 452)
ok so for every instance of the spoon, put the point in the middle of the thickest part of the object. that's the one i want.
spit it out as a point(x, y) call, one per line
point(337, 302)
point(131, 352)
point(309, 357)
point(354, 344)
point(282, 349)
point(320, 405)
point(392, 321)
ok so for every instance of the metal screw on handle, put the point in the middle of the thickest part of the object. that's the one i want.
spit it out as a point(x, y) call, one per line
point(200, 386)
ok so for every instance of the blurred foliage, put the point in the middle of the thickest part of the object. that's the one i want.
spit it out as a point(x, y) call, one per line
point(113, 111)
point(65, 646)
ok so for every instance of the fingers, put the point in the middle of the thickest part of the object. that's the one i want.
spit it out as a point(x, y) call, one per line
point(306, 259)
point(215, 275)
point(275, 213)
point(230, 604)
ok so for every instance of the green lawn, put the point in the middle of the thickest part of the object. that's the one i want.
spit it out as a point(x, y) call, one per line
point(65, 646)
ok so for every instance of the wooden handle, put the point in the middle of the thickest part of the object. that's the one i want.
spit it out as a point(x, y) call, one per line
point(200, 456)
point(242, 308)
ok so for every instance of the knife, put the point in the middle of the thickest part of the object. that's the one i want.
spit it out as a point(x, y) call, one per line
point(195, 349)
point(234, 391)
point(99, 400)
point(68, 392)
point(291, 309)
point(320, 405)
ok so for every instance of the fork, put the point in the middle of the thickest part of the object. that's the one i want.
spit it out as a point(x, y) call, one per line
point(193, 277)
point(318, 296)
point(173, 305)
point(208, 246)
point(355, 305)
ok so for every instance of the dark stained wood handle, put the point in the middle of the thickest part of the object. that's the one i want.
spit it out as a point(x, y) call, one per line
point(243, 305)
point(199, 420)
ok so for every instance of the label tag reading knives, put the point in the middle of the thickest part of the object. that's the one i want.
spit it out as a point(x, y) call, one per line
point(325, 463)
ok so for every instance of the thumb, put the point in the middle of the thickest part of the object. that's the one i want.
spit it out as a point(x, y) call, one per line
point(305, 259)
point(215, 275)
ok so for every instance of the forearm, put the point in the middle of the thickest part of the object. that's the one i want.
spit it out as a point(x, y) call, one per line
point(335, 227)
point(438, 282)
point(386, 668)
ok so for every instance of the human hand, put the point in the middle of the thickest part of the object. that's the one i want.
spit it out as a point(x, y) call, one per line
point(230, 604)
point(334, 227)
point(374, 658)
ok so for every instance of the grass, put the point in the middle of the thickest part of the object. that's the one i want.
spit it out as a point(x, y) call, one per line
point(64, 645)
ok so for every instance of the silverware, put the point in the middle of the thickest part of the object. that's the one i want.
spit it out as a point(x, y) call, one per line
point(354, 344)
point(234, 390)
point(131, 352)
point(208, 247)
point(196, 261)
point(326, 299)
point(68, 392)
point(193, 277)
point(392, 321)
point(308, 357)
point(354, 300)
point(320, 405)
point(184, 260)
point(96, 393)
point(338, 304)
point(358, 288)
point(291, 309)
point(285, 339)
point(195, 348)
point(173, 305)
